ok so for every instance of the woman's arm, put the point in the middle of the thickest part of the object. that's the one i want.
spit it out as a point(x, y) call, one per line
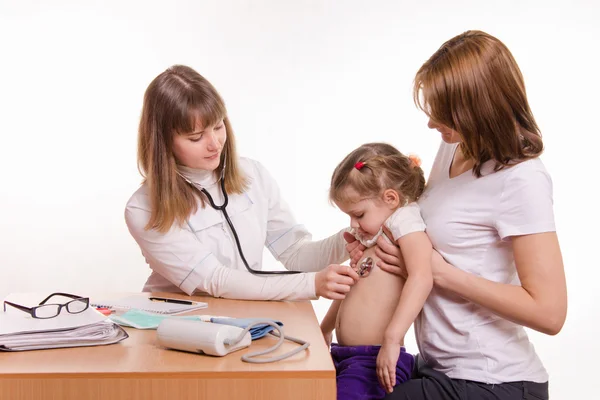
point(310, 256)
point(184, 261)
point(540, 302)
point(287, 240)
point(524, 215)
point(416, 250)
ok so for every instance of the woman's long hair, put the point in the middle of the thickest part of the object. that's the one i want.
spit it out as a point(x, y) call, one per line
point(174, 102)
point(473, 85)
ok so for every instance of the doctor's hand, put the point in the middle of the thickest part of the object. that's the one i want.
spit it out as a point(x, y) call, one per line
point(335, 281)
point(354, 248)
point(390, 256)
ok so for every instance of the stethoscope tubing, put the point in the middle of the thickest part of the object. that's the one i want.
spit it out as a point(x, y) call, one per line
point(223, 209)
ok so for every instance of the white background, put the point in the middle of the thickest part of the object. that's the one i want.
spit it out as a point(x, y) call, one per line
point(305, 82)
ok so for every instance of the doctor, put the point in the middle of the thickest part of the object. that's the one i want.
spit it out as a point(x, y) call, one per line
point(187, 156)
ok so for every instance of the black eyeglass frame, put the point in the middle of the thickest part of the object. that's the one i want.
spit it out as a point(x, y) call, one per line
point(33, 310)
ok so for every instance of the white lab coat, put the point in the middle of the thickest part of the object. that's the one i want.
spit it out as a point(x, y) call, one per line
point(202, 256)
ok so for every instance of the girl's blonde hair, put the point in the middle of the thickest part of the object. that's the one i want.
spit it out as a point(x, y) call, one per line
point(174, 102)
point(382, 167)
point(473, 85)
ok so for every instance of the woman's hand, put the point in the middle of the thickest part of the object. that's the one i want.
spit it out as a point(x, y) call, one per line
point(439, 266)
point(390, 256)
point(391, 261)
point(387, 359)
point(335, 281)
point(354, 248)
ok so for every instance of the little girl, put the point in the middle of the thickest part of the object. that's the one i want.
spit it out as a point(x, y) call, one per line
point(377, 186)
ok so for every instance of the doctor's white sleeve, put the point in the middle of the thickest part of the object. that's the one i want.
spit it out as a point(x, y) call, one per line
point(309, 256)
point(180, 258)
point(290, 242)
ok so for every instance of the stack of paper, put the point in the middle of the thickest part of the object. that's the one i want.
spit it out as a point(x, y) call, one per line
point(20, 331)
point(100, 333)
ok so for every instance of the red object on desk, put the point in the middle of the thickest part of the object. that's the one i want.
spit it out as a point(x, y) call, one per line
point(104, 310)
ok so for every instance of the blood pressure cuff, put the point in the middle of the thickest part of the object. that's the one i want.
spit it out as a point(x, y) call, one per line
point(256, 331)
point(145, 320)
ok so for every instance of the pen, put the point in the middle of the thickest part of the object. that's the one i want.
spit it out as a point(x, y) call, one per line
point(177, 301)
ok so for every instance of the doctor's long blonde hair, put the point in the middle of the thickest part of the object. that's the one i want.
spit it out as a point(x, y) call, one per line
point(172, 102)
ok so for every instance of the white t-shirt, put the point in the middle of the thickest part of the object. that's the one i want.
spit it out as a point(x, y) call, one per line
point(405, 220)
point(201, 255)
point(470, 221)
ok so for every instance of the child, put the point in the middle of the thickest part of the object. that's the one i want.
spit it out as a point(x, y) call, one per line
point(377, 186)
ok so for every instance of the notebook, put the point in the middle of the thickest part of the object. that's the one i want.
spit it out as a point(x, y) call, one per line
point(143, 303)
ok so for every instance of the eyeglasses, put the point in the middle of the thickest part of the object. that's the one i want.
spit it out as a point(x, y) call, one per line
point(45, 311)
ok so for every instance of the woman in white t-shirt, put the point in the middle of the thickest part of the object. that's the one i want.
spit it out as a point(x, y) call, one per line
point(489, 214)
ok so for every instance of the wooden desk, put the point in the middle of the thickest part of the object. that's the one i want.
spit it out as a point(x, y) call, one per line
point(138, 369)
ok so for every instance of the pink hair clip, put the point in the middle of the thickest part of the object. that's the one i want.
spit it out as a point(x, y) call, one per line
point(415, 160)
point(359, 165)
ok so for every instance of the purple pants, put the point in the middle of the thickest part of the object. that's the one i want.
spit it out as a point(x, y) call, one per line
point(356, 371)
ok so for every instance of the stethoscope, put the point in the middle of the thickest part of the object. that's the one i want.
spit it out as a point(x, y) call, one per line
point(223, 209)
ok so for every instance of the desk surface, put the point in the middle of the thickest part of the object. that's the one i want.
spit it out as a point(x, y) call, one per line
point(141, 354)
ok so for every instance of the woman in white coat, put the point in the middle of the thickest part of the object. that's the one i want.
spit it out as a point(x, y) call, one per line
point(186, 148)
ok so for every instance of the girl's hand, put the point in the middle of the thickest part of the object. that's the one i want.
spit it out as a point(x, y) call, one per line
point(354, 248)
point(335, 281)
point(387, 359)
point(390, 256)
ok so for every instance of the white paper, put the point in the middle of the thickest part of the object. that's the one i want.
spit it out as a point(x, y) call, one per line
point(100, 333)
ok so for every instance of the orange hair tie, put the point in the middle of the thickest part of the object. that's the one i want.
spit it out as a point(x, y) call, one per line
point(415, 160)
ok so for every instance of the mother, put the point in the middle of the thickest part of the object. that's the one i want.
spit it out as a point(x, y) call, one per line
point(489, 213)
